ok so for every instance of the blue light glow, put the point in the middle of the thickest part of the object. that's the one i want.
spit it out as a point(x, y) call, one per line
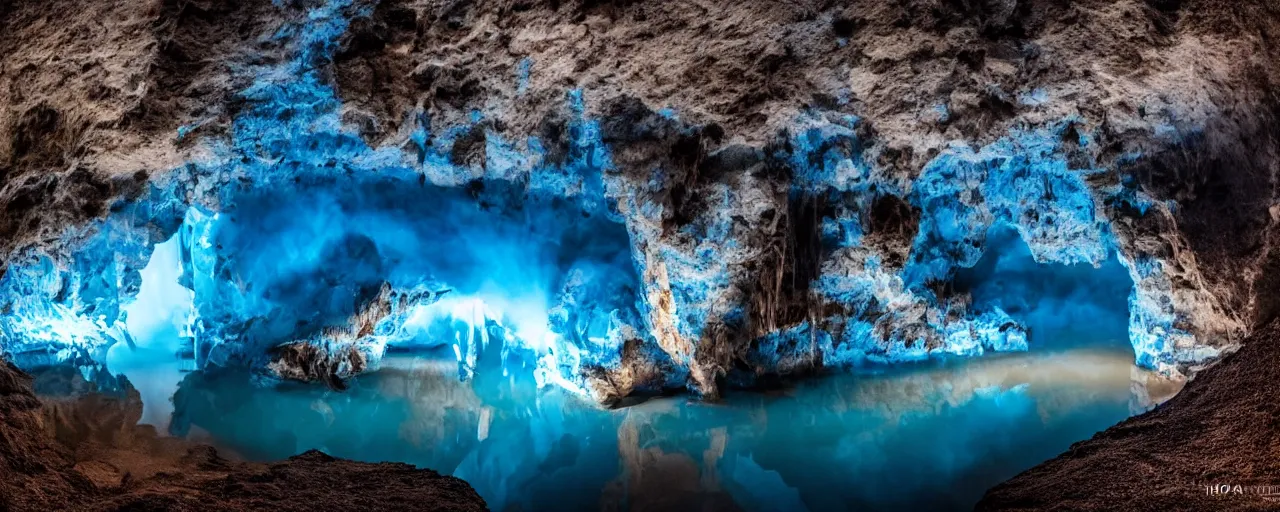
point(483, 285)
point(294, 230)
point(1060, 305)
point(269, 270)
point(302, 224)
point(927, 437)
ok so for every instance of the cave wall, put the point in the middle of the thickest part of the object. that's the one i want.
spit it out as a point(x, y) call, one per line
point(798, 182)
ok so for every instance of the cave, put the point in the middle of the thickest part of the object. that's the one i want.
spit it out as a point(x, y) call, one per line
point(389, 254)
point(1061, 306)
point(357, 268)
point(460, 328)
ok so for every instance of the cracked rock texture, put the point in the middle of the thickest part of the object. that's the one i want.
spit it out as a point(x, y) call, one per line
point(798, 181)
point(738, 133)
point(1172, 100)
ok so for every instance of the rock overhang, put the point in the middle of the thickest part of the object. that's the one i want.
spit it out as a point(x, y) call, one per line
point(712, 204)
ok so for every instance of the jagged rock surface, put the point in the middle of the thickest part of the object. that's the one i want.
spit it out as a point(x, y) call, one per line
point(782, 175)
point(1144, 88)
point(766, 132)
point(733, 166)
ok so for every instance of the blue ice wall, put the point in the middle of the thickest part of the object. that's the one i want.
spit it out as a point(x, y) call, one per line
point(885, 319)
point(293, 225)
point(1049, 251)
point(55, 315)
point(298, 225)
point(71, 307)
point(315, 222)
point(1022, 181)
point(280, 264)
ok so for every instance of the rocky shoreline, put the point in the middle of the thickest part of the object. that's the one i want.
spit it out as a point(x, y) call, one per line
point(1219, 430)
point(86, 451)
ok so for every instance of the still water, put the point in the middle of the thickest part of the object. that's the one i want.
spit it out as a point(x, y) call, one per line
point(932, 436)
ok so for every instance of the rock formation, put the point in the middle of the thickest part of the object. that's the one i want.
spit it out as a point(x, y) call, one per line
point(634, 196)
point(1219, 431)
point(797, 184)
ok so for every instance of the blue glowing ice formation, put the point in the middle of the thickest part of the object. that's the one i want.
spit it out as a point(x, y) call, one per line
point(295, 230)
point(1158, 341)
point(70, 307)
point(1020, 181)
point(302, 232)
point(55, 315)
point(311, 223)
point(1054, 250)
point(279, 264)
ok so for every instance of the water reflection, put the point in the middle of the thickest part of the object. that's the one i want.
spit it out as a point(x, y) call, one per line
point(927, 437)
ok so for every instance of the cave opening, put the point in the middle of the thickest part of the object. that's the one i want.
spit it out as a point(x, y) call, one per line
point(357, 268)
point(1061, 306)
point(154, 322)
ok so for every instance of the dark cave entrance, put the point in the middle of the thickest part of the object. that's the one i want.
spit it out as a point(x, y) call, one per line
point(1061, 305)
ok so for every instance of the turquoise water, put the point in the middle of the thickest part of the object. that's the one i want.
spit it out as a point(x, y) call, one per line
point(926, 437)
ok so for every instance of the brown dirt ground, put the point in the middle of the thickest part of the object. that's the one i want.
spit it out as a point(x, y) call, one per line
point(1223, 428)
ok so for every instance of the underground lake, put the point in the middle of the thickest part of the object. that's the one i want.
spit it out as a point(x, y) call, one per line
point(500, 337)
point(932, 436)
point(929, 434)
